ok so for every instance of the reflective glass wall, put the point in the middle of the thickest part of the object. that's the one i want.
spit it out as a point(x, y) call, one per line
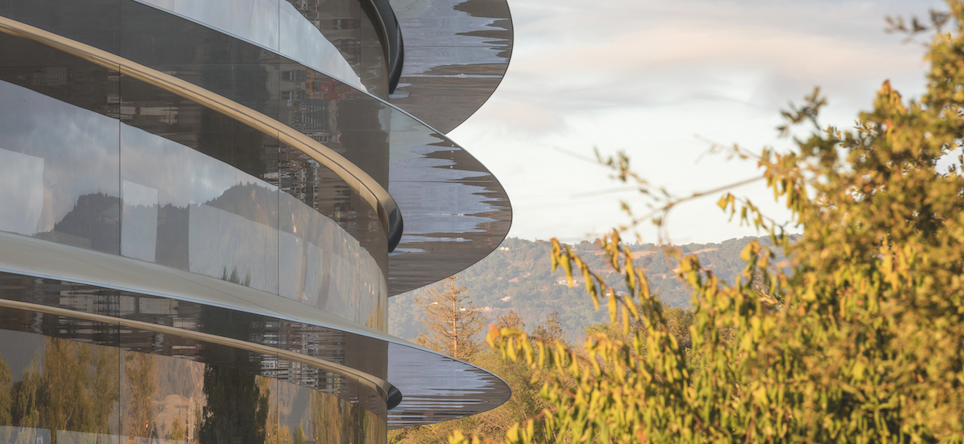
point(441, 237)
point(97, 160)
point(334, 113)
point(69, 377)
point(65, 380)
point(338, 37)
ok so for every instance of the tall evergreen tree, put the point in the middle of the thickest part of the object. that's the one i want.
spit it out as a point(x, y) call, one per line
point(451, 321)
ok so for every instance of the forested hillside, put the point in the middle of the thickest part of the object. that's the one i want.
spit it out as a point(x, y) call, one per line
point(517, 277)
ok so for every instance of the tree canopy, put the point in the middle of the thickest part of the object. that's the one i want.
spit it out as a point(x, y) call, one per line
point(860, 339)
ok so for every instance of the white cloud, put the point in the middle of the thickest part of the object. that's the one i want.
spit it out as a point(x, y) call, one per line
point(645, 76)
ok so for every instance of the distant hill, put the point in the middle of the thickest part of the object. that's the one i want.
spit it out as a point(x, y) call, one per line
point(517, 277)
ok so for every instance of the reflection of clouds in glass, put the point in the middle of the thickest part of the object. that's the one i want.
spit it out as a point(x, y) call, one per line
point(259, 22)
point(139, 195)
point(302, 42)
point(21, 179)
point(292, 266)
point(223, 244)
point(253, 20)
point(181, 174)
point(226, 245)
point(79, 147)
point(139, 232)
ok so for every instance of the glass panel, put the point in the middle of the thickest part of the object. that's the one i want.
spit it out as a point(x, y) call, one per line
point(60, 164)
point(61, 379)
point(321, 263)
point(272, 24)
point(252, 20)
point(190, 211)
point(93, 22)
point(201, 191)
point(310, 415)
point(183, 390)
point(178, 365)
point(303, 40)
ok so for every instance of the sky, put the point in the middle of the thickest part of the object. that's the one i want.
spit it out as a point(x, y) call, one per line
point(661, 80)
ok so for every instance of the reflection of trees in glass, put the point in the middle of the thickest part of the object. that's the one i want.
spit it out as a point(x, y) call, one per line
point(79, 386)
point(198, 415)
point(141, 369)
point(299, 436)
point(178, 430)
point(6, 401)
point(234, 278)
point(326, 417)
point(26, 405)
point(236, 410)
point(76, 389)
point(275, 432)
point(91, 223)
point(364, 426)
point(337, 420)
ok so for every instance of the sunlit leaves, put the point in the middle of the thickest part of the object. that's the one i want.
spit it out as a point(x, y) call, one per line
point(859, 338)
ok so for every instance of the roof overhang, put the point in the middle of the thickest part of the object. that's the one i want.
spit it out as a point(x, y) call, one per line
point(456, 53)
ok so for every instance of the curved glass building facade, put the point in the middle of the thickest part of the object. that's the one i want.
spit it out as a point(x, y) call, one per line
point(205, 206)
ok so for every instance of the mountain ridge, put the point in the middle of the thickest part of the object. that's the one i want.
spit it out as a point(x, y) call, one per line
point(517, 276)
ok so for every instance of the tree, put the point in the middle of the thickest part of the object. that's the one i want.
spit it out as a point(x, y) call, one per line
point(6, 393)
point(236, 408)
point(451, 321)
point(510, 320)
point(178, 432)
point(550, 330)
point(861, 339)
point(141, 370)
point(299, 436)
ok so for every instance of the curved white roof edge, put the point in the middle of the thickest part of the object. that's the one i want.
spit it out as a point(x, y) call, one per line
point(456, 54)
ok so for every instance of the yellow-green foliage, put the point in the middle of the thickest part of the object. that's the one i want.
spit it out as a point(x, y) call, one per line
point(861, 341)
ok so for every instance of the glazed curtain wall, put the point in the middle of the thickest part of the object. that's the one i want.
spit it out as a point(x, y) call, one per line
point(332, 36)
point(73, 173)
point(304, 31)
point(65, 381)
point(341, 117)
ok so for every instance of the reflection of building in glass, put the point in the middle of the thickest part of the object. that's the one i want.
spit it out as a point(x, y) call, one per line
point(201, 219)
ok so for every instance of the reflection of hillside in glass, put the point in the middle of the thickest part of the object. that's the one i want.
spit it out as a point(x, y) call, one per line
point(179, 207)
point(92, 223)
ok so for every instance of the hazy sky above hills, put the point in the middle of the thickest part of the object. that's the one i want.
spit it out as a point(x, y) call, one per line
point(657, 78)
